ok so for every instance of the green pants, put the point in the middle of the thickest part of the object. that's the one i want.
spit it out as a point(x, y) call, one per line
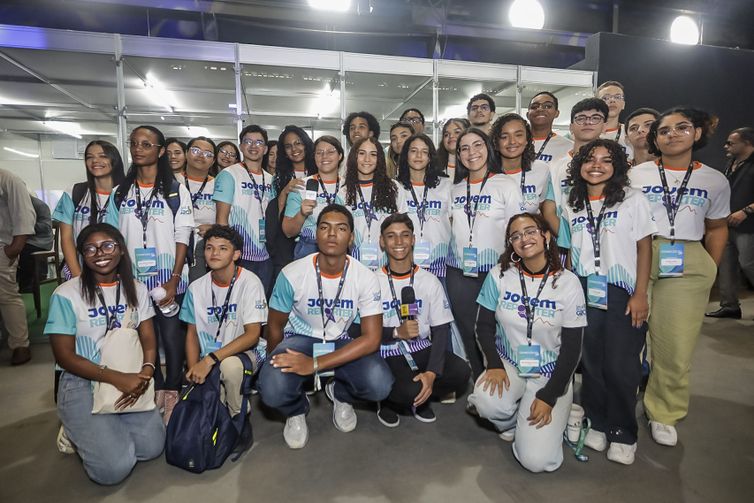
point(677, 308)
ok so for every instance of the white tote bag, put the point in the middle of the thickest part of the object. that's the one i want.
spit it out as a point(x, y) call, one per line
point(121, 351)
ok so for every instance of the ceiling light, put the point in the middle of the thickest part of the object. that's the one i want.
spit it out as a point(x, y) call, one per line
point(69, 128)
point(526, 14)
point(25, 154)
point(332, 5)
point(684, 30)
point(158, 93)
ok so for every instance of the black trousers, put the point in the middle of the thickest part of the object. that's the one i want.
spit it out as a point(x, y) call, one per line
point(455, 378)
point(611, 367)
point(171, 335)
point(462, 293)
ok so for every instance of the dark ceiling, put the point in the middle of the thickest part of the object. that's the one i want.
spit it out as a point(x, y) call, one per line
point(471, 30)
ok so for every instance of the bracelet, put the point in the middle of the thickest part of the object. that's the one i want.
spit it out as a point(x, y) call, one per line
point(315, 364)
point(175, 275)
point(214, 357)
point(150, 364)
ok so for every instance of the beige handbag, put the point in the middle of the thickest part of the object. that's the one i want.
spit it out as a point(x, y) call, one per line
point(121, 350)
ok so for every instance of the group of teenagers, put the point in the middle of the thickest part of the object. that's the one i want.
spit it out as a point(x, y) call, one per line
point(397, 275)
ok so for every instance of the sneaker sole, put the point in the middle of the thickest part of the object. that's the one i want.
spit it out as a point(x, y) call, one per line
point(330, 397)
point(385, 423)
point(424, 419)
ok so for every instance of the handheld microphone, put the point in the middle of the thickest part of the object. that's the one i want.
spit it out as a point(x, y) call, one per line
point(312, 187)
point(409, 309)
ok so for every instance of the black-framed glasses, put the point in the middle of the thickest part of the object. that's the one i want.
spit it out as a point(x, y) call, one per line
point(144, 145)
point(106, 247)
point(412, 120)
point(583, 120)
point(480, 108)
point(206, 153)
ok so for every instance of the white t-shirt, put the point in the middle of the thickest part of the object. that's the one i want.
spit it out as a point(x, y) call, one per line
point(707, 197)
point(537, 185)
point(247, 304)
point(557, 147)
point(612, 134)
point(554, 309)
point(436, 229)
point(163, 230)
point(500, 200)
point(236, 187)
point(78, 217)
point(296, 292)
point(70, 314)
point(558, 180)
point(293, 205)
point(204, 205)
point(621, 227)
point(362, 232)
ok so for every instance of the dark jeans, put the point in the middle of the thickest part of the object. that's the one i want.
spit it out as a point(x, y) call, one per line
point(199, 266)
point(367, 379)
point(463, 292)
point(611, 367)
point(455, 378)
point(171, 335)
point(263, 270)
point(25, 273)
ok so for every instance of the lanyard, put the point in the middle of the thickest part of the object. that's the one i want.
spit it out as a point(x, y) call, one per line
point(328, 310)
point(111, 317)
point(259, 196)
point(544, 145)
point(526, 300)
point(330, 197)
point(620, 131)
point(143, 213)
point(369, 214)
point(224, 309)
point(195, 197)
point(100, 211)
point(671, 208)
point(594, 230)
point(392, 288)
point(471, 217)
point(420, 208)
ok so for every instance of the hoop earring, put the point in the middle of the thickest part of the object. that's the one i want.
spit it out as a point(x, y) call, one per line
point(513, 254)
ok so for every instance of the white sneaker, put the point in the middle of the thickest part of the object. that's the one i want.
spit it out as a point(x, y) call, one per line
point(64, 443)
point(622, 453)
point(596, 440)
point(296, 433)
point(508, 435)
point(664, 434)
point(343, 415)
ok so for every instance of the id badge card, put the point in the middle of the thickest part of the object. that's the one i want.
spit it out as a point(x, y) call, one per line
point(422, 251)
point(370, 255)
point(403, 345)
point(671, 260)
point(262, 233)
point(470, 262)
point(322, 349)
point(596, 291)
point(529, 360)
point(146, 261)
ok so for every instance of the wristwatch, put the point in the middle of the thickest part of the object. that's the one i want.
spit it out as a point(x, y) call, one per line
point(748, 210)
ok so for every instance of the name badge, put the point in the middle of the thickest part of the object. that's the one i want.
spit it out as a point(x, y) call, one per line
point(146, 261)
point(322, 349)
point(470, 262)
point(370, 255)
point(529, 359)
point(671, 260)
point(596, 291)
point(403, 345)
point(422, 251)
point(262, 233)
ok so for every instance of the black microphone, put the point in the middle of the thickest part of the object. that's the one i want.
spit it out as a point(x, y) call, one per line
point(312, 187)
point(409, 309)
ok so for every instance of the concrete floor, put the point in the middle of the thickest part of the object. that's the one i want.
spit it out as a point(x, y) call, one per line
point(454, 459)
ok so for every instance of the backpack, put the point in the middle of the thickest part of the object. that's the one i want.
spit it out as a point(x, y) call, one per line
point(201, 434)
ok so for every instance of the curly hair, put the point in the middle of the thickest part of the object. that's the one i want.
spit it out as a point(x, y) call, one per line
point(614, 191)
point(551, 247)
point(700, 119)
point(284, 171)
point(384, 191)
point(442, 152)
point(372, 123)
point(431, 174)
point(528, 156)
point(225, 232)
point(492, 165)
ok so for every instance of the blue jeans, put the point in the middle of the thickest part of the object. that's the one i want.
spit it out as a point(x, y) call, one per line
point(368, 379)
point(109, 444)
point(263, 270)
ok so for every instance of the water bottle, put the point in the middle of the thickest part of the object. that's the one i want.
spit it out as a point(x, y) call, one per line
point(157, 295)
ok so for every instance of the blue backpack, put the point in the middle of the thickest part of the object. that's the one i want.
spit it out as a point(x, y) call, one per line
point(201, 434)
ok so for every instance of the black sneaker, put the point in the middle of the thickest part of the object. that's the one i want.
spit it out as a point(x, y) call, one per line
point(725, 312)
point(387, 415)
point(424, 413)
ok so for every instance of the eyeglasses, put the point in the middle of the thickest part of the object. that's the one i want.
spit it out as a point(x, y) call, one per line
point(322, 153)
point(477, 145)
point(106, 247)
point(412, 120)
point(518, 236)
point(547, 105)
point(612, 97)
point(228, 153)
point(291, 146)
point(680, 129)
point(583, 120)
point(480, 108)
point(145, 145)
point(252, 143)
point(206, 153)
